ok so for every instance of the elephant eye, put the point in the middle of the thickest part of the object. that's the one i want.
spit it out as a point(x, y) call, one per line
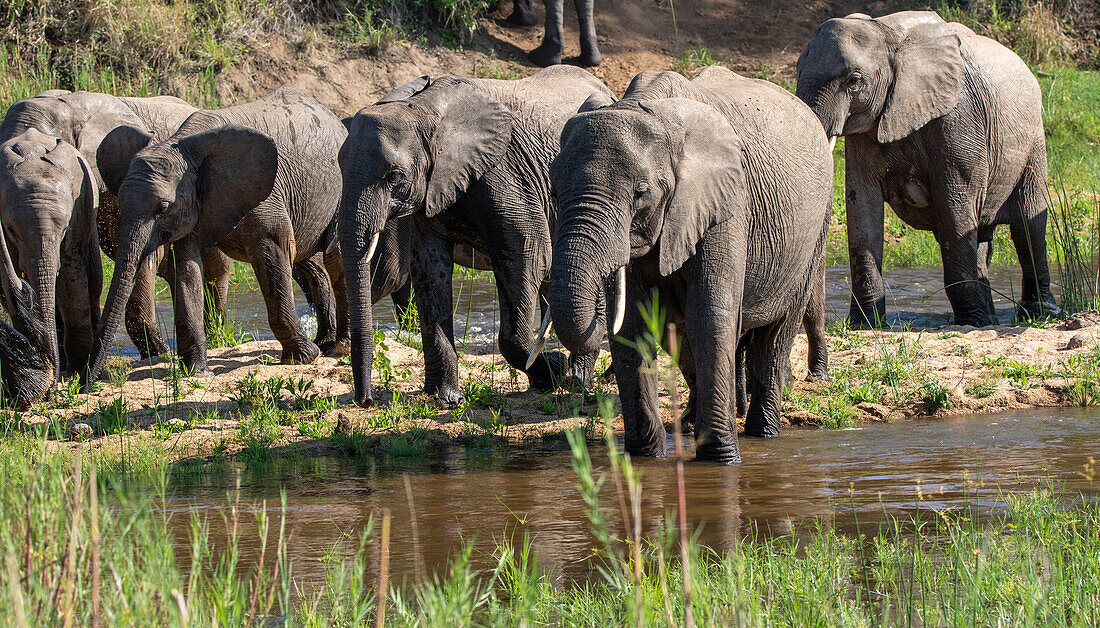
point(854, 80)
point(641, 189)
point(162, 206)
point(395, 176)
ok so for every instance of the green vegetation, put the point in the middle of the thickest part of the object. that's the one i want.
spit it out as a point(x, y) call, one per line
point(80, 546)
point(694, 59)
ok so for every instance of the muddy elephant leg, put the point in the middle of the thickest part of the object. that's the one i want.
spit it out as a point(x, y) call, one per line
point(970, 297)
point(517, 289)
point(522, 14)
point(770, 351)
point(334, 264)
point(713, 322)
point(865, 217)
point(549, 51)
point(271, 263)
point(141, 309)
point(324, 301)
point(590, 51)
point(432, 265)
point(186, 282)
point(1027, 210)
point(813, 321)
point(644, 433)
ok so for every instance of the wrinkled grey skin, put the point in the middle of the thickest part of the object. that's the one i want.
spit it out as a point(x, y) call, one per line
point(469, 159)
point(31, 190)
point(549, 51)
point(260, 182)
point(26, 374)
point(947, 127)
point(715, 193)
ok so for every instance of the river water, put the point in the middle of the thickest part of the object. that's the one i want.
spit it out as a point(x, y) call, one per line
point(914, 296)
point(477, 497)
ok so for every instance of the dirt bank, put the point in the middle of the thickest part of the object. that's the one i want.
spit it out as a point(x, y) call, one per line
point(253, 406)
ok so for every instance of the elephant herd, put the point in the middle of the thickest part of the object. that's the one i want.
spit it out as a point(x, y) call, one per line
point(711, 195)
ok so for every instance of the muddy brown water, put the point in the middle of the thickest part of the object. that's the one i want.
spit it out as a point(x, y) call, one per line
point(785, 483)
point(914, 296)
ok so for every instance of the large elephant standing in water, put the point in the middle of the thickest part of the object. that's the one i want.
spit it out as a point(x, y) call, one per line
point(469, 159)
point(261, 182)
point(947, 127)
point(714, 194)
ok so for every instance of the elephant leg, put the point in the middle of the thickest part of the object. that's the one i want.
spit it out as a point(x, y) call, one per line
point(813, 321)
point(549, 51)
point(271, 263)
point(185, 278)
point(522, 15)
point(713, 323)
point(216, 267)
point(742, 393)
point(334, 264)
point(76, 313)
point(93, 266)
point(590, 51)
point(644, 433)
point(517, 289)
point(970, 296)
point(432, 265)
point(769, 353)
point(324, 301)
point(1027, 211)
point(141, 309)
point(865, 217)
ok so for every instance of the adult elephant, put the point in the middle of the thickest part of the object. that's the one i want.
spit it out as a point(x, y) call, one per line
point(713, 194)
point(26, 374)
point(260, 182)
point(469, 158)
point(549, 51)
point(58, 209)
point(947, 127)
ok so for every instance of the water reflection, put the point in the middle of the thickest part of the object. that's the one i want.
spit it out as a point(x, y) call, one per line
point(806, 474)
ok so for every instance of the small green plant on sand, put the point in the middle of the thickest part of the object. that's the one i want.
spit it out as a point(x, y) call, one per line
point(118, 370)
point(934, 396)
point(112, 418)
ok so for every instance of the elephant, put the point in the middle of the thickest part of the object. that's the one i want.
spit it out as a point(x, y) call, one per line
point(469, 159)
point(32, 190)
point(26, 374)
point(946, 126)
point(713, 197)
point(260, 182)
point(549, 51)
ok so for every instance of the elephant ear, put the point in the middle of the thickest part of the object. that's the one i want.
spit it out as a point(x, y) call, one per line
point(710, 183)
point(597, 100)
point(407, 90)
point(928, 74)
point(116, 151)
point(236, 172)
point(471, 134)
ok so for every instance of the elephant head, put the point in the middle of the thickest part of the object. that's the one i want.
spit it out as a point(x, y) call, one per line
point(44, 182)
point(889, 76)
point(635, 179)
point(417, 150)
point(197, 184)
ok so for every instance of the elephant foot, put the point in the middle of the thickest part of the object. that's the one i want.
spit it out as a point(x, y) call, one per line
point(305, 353)
point(1038, 310)
point(522, 16)
point(867, 315)
point(588, 58)
point(818, 374)
point(687, 418)
point(448, 396)
point(548, 371)
point(340, 348)
point(545, 55)
point(721, 454)
point(976, 319)
point(651, 449)
point(761, 429)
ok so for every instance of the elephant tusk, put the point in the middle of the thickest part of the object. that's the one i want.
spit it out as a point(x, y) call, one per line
point(540, 340)
point(620, 301)
point(832, 143)
point(373, 244)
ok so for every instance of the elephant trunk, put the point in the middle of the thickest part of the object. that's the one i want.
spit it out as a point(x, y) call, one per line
point(357, 274)
point(583, 264)
point(43, 275)
point(828, 104)
point(134, 249)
